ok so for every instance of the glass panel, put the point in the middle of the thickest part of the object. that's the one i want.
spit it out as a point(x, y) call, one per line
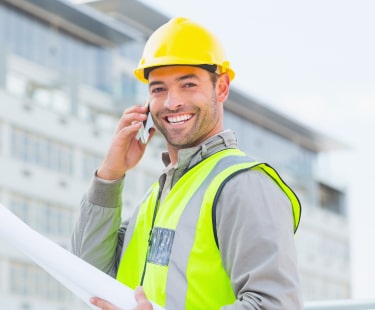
point(49, 219)
point(294, 163)
point(31, 281)
point(41, 151)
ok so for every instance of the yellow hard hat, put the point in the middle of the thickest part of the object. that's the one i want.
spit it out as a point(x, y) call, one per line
point(182, 42)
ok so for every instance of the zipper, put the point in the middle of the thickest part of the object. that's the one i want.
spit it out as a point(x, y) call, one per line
point(150, 236)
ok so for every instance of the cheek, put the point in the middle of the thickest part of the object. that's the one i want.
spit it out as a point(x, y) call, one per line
point(156, 104)
point(202, 100)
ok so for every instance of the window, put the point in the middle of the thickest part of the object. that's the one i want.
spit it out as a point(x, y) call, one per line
point(264, 145)
point(56, 49)
point(47, 218)
point(41, 151)
point(90, 163)
point(331, 199)
point(30, 280)
point(132, 50)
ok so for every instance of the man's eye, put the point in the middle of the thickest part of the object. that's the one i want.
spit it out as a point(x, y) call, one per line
point(187, 85)
point(157, 90)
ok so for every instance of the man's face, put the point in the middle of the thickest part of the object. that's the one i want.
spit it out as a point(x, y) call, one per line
point(184, 105)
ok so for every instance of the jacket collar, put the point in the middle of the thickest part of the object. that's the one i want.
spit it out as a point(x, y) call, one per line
point(191, 156)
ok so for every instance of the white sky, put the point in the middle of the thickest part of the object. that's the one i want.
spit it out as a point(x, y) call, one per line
point(314, 61)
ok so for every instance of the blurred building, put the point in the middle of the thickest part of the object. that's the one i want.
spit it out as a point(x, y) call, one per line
point(66, 74)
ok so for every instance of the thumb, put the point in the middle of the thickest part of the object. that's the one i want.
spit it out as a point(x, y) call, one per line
point(142, 301)
point(140, 294)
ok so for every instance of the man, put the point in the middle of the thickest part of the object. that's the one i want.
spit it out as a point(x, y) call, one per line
point(217, 230)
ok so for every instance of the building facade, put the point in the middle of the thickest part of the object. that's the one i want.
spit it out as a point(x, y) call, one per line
point(66, 75)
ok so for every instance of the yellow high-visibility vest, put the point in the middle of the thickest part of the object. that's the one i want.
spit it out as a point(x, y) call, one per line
point(173, 245)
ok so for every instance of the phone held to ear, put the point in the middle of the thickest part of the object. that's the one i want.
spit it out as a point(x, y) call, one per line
point(143, 132)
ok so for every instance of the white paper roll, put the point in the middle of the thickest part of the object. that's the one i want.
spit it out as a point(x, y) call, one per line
point(83, 279)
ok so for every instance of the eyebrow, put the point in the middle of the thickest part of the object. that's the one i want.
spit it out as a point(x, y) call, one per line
point(187, 76)
point(181, 78)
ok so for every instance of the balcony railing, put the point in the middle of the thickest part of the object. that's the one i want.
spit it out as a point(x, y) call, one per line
point(345, 304)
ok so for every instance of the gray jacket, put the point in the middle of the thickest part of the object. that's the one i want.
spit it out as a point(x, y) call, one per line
point(261, 261)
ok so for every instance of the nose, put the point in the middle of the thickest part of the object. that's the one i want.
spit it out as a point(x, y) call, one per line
point(173, 100)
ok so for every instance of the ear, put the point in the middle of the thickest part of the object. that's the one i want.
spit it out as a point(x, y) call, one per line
point(222, 87)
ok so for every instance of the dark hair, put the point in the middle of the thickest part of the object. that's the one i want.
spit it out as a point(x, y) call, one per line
point(213, 76)
point(209, 68)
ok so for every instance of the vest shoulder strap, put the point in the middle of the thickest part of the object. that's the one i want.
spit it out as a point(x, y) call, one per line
point(296, 206)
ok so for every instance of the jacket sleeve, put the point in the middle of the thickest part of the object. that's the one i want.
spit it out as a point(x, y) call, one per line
point(98, 234)
point(256, 241)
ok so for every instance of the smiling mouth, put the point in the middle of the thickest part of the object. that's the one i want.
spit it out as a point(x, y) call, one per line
point(179, 119)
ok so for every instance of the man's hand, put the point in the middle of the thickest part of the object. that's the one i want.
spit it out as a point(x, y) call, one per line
point(142, 302)
point(125, 150)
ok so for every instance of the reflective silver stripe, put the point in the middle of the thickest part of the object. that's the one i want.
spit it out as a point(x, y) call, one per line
point(131, 226)
point(176, 286)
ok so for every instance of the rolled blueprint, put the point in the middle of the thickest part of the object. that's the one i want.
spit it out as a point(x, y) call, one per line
point(83, 279)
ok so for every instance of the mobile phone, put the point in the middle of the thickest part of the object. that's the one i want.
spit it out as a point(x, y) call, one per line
point(143, 132)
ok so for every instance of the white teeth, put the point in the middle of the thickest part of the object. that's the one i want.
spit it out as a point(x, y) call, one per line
point(179, 118)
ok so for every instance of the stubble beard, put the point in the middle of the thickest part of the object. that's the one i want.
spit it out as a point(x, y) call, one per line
point(201, 129)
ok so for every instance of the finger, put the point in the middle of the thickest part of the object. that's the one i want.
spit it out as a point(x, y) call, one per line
point(97, 302)
point(127, 139)
point(132, 115)
point(102, 304)
point(136, 109)
point(129, 132)
point(140, 294)
point(141, 299)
